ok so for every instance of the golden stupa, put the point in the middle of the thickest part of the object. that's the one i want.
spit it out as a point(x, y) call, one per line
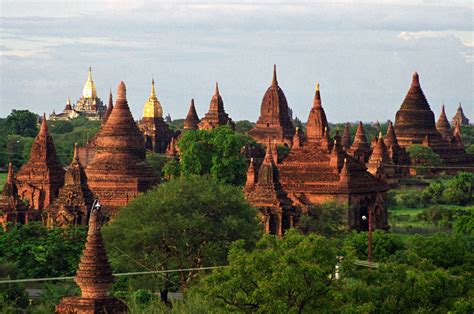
point(152, 108)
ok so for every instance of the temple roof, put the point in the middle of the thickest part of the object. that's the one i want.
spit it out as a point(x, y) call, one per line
point(216, 116)
point(379, 153)
point(317, 124)
point(390, 137)
point(192, 119)
point(460, 117)
point(360, 140)
point(415, 98)
point(442, 125)
point(89, 90)
point(152, 108)
point(346, 140)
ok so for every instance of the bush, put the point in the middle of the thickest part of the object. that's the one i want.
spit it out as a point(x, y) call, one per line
point(438, 215)
point(423, 158)
point(459, 189)
point(384, 245)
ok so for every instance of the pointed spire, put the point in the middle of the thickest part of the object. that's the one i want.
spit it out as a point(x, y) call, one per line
point(344, 176)
point(297, 138)
point(274, 80)
point(89, 76)
point(346, 140)
point(44, 126)
point(317, 97)
point(250, 182)
point(121, 100)
point(10, 174)
point(268, 153)
point(457, 128)
point(153, 93)
point(94, 275)
point(216, 90)
point(415, 79)
point(192, 119)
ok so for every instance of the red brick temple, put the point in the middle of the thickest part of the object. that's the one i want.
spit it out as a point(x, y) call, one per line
point(459, 117)
point(415, 124)
point(360, 148)
point(74, 199)
point(274, 120)
point(192, 120)
point(216, 116)
point(156, 131)
point(119, 171)
point(41, 177)
point(94, 277)
point(12, 208)
point(316, 171)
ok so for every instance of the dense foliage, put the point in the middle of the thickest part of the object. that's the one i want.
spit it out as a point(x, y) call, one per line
point(20, 122)
point(423, 158)
point(40, 252)
point(216, 152)
point(326, 219)
point(187, 222)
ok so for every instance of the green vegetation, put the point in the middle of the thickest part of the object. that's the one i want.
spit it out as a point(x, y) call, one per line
point(3, 179)
point(185, 223)
point(216, 152)
point(423, 158)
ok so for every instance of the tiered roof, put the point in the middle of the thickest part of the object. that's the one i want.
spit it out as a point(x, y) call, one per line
point(442, 125)
point(460, 117)
point(274, 120)
point(216, 116)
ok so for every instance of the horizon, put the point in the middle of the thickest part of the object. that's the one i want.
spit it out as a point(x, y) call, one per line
point(362, 53)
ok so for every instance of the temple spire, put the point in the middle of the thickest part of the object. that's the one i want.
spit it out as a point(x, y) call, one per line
point(75, 158)
point(268, 153)
point(153, 93)
point(44, 126)
point(10, 174)
point(317, 97)
point(216, 90)
point(274, 80)
point(415, 79)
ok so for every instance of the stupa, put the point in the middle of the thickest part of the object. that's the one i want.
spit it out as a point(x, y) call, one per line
point(317, 171)
point(360, 148)
point(74, 200)
point(274, 120)
point(346, 140)
point(459, 117)
point(192, 120)
point(216, 116)
point(94, 277)
point(119, 171)
point(41, 177)
point(12, 208)
point(415, 124)
point(442, 125)
point(89, 105)
point(154, 128)
point(317, 126)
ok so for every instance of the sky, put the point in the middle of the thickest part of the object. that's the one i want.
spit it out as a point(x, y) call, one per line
point(363, 54)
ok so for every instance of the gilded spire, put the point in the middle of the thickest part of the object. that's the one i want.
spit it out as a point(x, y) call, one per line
point(152, 94)
point(274, 80)
point(152, 108)
point(89, 90)
point(317, 86)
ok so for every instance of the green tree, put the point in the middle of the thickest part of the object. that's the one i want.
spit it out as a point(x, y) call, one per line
point(21, 122)
point(40, 252)
point(326, 219)
point(293, 274)
point(187, 222)
point(243, 126)
point(459, 189)
point(384, 245)
point(423, 158)
point(216, 152)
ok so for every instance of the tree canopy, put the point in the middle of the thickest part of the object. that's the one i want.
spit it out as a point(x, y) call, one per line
point(21, 122)
point(216, 152)
point(423, 158)
point(189, 221)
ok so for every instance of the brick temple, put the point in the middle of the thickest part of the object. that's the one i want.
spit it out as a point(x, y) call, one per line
point(415, 124)
point(274, 121)
point(317, 170)
point(216, 116)
point(119, 171)
point(192, 120)
point(93, 276)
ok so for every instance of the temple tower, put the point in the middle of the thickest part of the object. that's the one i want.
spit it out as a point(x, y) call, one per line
point(94, 277)
point(74, 200)
point(156, 131)
point(360, 149)
point(216, 116)
point(274, 120)
point(192, 120)
point(442, 125)
point(346, 140)
point(89, 104)
point(317, 125)
point(459, 117)
point(41, 177)
point(119, 171)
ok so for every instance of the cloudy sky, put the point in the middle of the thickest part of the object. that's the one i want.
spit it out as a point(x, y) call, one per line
point(363, 53)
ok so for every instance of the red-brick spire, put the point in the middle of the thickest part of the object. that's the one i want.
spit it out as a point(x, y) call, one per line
point(192, 119)
point(346, 140)
point(10, 174)
point(317, 97)
point(94, 275)
point(442, 125)
point(274, 80)
point(44, 126)
point(415, 79)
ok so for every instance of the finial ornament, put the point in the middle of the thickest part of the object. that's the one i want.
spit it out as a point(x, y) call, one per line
point(274, 80)
point(216, 91)
point(317, 86)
